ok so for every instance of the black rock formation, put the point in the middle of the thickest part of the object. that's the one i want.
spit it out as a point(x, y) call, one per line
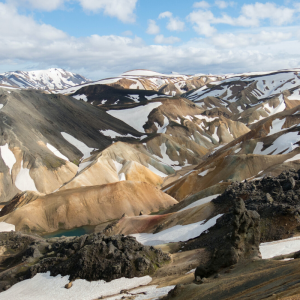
point(90, 257)
point(240, 243)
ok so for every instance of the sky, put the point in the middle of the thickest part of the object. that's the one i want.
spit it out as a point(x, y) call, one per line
point(104, 38)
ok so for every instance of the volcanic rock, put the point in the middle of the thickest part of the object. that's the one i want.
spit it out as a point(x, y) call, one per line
point(240, 243)
point(90, 257)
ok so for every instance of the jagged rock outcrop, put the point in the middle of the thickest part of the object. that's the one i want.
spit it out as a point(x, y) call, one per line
point(240, 243)
point(90, 257)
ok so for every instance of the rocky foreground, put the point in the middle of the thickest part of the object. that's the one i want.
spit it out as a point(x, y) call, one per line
point(252, 212)
point(90, 257)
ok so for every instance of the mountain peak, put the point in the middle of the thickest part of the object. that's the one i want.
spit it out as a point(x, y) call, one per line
point(50, 79)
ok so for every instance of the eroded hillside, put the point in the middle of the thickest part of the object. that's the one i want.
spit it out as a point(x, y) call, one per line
point(172, 160)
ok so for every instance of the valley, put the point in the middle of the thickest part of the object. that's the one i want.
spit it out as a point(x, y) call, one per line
point(150, 185)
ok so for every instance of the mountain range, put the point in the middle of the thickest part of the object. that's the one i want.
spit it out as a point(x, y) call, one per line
point(204, 167)
point(50, 79)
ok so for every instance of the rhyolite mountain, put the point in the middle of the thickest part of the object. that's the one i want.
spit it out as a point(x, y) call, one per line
point(203, 166)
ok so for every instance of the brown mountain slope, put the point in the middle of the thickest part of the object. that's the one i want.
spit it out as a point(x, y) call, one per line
point(88, 206)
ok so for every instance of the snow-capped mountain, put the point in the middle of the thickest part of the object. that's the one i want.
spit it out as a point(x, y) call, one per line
point(167, 84)
point(43, 79)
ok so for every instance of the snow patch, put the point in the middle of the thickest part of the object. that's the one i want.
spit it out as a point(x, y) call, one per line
point(135, 117)
point(23, 181)
point(200, 202)
point(215, 136)
point(83, 166)
point(282, 247)
point(296, 157)
point(118, 166)
point(83, 97)
point(151, 97)
point(43, 286)
point(272, 111)
point(276, 126)
point(285, 142)
point(176, 233)
point(206, 171)
point(295, 95)
point(145, 293)
point(135, 98)
point(8, 157)
point(56, 152)
point(157, 172)
point(162, 129)
point(113, 134)
point(122, 177)
point(82, 147)
point(4, 227)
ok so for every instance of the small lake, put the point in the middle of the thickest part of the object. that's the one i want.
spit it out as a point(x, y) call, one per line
point(71, 232)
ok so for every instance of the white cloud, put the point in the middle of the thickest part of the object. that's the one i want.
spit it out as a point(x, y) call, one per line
point(174, 24)
point(121, 9)
point(153, 28)
point(26, 44)
point(202, 20)
point(17, 30)
point(201, 4)
point(297, 6)
point(260, 11)
point(47, 5)
point(161, 39)
point(230, 40)
point(127, 33)
point(223, 4)
point(166, 14)
point(251, 16)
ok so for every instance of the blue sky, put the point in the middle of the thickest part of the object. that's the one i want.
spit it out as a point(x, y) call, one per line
point(103, 38)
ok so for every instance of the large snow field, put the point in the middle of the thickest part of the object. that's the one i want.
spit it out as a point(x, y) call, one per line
point(135, 117)
point(176, 233)
point(282, 247)
point(276, 83)
point(23, 181)
point(82, 147)
point(267, 85)
point(45, 287)
point(8, 156)
point(284, 142)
